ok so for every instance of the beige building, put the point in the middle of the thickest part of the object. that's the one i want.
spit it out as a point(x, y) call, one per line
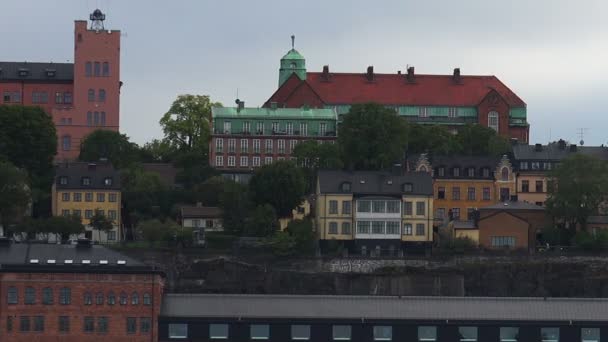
point(202, 220)
point(374, 213)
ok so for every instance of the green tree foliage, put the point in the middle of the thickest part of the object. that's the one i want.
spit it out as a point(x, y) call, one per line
point(152, 230)
point(187, 124)
point(280, 184)
point(282, 244)
point(113, 146)
point(432, 139)
point(101, 223)
point(591, 242)
point(194, 168)
point(372, 137)
point(63, 226)
point(29, 141)
point(303, 234)
point(312, 156)
point(262, 222)
point(581, 186)
point(15, 193)
point(158, 151)
point(479, 140)
point(143, 194)
point(210, 191)
point(235, 204)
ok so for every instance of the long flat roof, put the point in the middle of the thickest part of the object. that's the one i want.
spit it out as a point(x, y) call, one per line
point(378, 307)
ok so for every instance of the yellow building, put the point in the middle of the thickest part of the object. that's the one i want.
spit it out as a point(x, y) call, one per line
point(299, 213)
point(374, 213)
point(84, 189)
point(462, 184)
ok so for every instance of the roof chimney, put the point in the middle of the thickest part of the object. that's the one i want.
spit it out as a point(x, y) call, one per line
point(240, 105)
point(410, 74)
point(370, 73)
point(538, 147)
point(398, 72)
point(456, 76)
point(325, 74)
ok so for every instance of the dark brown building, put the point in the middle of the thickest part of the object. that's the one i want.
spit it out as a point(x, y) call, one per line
point(510, 224)
point(76, 293)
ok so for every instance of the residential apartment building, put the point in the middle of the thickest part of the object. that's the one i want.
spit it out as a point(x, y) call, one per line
point(451, 100)
point(81, 96)
point(84, 189)
point(244, 139)
point(462, 184)
point(74, 293)
point(374, 213)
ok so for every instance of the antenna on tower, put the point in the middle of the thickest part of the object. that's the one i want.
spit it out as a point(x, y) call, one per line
point(581, 134)
point(97, 19)
point(293, 41)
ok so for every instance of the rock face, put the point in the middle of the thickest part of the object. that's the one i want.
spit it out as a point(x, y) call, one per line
point(497, 276)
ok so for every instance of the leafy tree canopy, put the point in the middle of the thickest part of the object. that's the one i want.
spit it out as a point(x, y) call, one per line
point(235, 204)
point(113, 146)
point(14, 193)
point(262, 222)
point(280, 184)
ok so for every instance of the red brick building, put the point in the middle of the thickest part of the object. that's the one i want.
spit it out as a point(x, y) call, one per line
point(74, 293)
point(451, 100)
point(82, 96)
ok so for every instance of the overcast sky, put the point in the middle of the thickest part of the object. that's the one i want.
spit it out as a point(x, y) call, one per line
point(552, 53)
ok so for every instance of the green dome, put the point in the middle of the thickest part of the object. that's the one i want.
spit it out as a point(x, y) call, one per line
point(292, 54)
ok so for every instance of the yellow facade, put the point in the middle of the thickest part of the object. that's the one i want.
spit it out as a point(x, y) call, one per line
point(472, 234)
point(459, 199)
point(299, 213)
point(342, 217)
point(415, 219)
point(535, 193)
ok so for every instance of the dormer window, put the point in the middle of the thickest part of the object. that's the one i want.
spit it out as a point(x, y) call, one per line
point(86, 181)
point(408, 187)
point(471, 172)
point(107, 181)
point(50, 72)
point(441, 171)
point(345, 187)
point(456, 172)
point(485, 172)
point(63, 180)
point(23, 72)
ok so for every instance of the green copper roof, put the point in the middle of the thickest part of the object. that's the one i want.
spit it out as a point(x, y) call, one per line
point(293, 54)
point(518, 113)
point(268, 113)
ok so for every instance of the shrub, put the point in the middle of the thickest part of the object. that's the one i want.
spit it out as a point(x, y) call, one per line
point(217, 240)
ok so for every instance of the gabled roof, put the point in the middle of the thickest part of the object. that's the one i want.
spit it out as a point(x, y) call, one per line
point(394, 89)
point(202, 212)
point(9, 71)
point(375, 182)
point(97, 172)
point(514, 205)
point(553, 152)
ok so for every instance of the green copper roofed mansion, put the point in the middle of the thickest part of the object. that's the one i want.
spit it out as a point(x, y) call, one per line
point(246, 138)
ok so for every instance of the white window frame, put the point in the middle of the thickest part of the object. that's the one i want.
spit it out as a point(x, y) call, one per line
point(175, 325)
point(381, 338)
point(219, 145)
point(341, 338)
point(303, 128)
point(258, 338)
point(219, 160)
point(256, 145)
point(300, 338)
point(423, 112)
point(267, 160)
point(219, 337)
point(231, 161)
point(322, 129)
point(281, 146)
point(268, 146)
point(452, 112)
point(227, 127)
point(292, 145)
point(246, 127)
point(289, 128)
point(244, 146)
point(493, 120)
point(231, 145)
point(255, 162)
point(244, 162)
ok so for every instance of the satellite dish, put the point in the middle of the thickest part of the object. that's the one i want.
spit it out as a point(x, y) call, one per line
point(582, 142)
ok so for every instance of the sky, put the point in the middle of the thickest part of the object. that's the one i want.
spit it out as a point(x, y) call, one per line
point(552, 53)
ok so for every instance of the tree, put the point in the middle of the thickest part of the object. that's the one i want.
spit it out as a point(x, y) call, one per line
point(280, 184)
point(475, 139)
point(434, 139)
point(372, 137)
point(14, 194)
point(143, 193)
point(151, 230)
point(158, 151)
point(187, 123)
point(301, 231)
point(262, 222)
point(63, 226)
point(312, 156)
point(113, 146)
point(580, 186)
point(28, 140)
point(235, 204)
point(100, 223)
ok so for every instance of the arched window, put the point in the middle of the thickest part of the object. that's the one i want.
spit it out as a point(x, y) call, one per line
point(124, 299)
point(493, 120)
point(504, 174)
point(101, 94)
point(89, 118)
point(102, 120)
point(293, 65)
point(66, 143)
point(88, 298)
point(422, 169)
point(134, 298)
point(96, 118)
point(91, 95)
point(147, 299)
point(99, 298)
point(97, 69)
point(111, 298)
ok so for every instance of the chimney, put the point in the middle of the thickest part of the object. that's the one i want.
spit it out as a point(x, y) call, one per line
point(398, 72)
point(325, 74)
point(538, 147)
point(239, 105)
point(370, 73)
point(410, 74)
point(456, 76)
point(561, 144)
point(573, 148)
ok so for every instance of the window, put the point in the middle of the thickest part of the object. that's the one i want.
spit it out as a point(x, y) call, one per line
point(456, 213)
point(440, 213)
point(244, 161)
point(112, 197)
point(101, 197)
point(363, 227)
point(452, 112)
point(523, 165)
point(441, 172)
point(65, 296)
point(392, 228)
point(378, 206)
point(322, 129)
point(9, 323)
point(486, 194)
point(244, 145)
point(24, 323)
point(509, 334)
point(89, 324)
point(106, 69)
point(333, 228)
point(231, 161)
point(341, 332)
point(346, 228)
point(64, 323)
point(102, 324)
point(30, 295)
point(420, 208)
point(177, 330)
point(87, 298)
point(219, 161)
point(96, 118)
point(503, 241)
point(65, 196)
point(408, 187)
point(91, 95)
point(423, 112)
point(485, 172)
point(147, 299)
point(407, 229)
point(289, 128)
point(66, 143)
point(493, 120)
point(420, 229)
point(377, 227)
point(86, 181)
point(259, 128)
point(346, 207)
point(256, 161)
point(89, 119)
point(145, 324)
point(407, 208)
point(99, 298)
point(65, 212)
point(227, 127)
point(124, 299)
point(300, 332)
point(88, 214)
point(231, 145)
point(590, 335)
point(88, 69)
point(303, 129)
point(292, 144)
point(393, 207)
point(441, 192)
point(268, 146)
point(67, 98)
point(364, 206)
point(134, 298)
point(47, 296)
point(333, 207)
point(525, 186)
point(471, 172)
point(281, 146)
point(267, 160)
point(468, 334)
point(259, 331)
point(111, 298)
point(471, 193)
point(549, 334)
point(219, 145)
point(456, 193)
point(101, 95)
point(539, 186)
point(99, 212)
point(256, 145)
point(427, 333)
point(97, 69)
point(132, 327)
point(504, 174)
point(218, 331)
point(383, 333)
point(456, 172)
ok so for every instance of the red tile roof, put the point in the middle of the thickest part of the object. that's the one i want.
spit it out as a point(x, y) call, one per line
point(394, 89)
